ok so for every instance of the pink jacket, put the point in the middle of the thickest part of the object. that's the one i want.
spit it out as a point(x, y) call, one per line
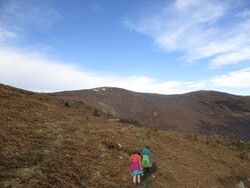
point(136, 158)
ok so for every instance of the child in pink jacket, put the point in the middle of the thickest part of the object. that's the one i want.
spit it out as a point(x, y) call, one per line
point(136, 169)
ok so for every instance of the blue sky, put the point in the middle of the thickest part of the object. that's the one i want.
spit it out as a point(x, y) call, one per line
point(155, 46)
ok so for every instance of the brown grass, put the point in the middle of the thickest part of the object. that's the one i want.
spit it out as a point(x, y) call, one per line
point(45, 143)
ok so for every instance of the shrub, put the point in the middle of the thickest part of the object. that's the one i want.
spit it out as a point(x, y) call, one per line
point(193, 136)
point(66, 104)
point(96, 113)
point(244, 155)
point(130, 121)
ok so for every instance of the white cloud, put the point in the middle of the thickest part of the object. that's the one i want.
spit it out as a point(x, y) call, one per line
point(6, 34)
point(238, 79)
point(182, 27)
point(33, 72)
point(217, 47)
point(198, 85)
point(182, 4)
point(200, 28)
point(231, 58)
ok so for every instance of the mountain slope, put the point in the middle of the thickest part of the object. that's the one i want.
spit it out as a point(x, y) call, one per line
point(202, 112)
point(49, 142)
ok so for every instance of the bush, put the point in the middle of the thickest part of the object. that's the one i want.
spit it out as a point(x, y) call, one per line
point(96, 113)
point(130, 121)
point(66, 104)
point(193, 136)
point(244, 155)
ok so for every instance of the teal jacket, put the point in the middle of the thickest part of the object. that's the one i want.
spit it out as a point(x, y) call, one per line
point(146, 151)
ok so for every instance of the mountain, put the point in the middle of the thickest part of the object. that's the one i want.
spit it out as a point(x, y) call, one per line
point(50, 142)
point(201, 112)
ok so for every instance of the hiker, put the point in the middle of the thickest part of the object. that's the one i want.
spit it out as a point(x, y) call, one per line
point(136, 169)
point(146, 158)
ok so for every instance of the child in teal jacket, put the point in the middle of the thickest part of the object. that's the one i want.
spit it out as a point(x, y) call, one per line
point(146, 157)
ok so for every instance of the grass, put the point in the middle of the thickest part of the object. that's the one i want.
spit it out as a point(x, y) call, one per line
point(45, 144)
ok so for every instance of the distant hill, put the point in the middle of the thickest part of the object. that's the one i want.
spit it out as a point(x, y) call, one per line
point(50, 142)
point(201, 112)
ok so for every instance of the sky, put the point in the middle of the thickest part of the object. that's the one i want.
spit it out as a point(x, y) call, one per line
point(151, 46)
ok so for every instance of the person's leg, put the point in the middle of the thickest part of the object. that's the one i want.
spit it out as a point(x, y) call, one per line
point(134, 179)
point(139, 179)
point(149, 170)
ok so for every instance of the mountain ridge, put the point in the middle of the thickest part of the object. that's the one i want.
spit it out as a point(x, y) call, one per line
point(202, 112)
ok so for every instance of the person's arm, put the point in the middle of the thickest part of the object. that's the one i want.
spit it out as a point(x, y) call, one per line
point(140, 164)
point(131, 158)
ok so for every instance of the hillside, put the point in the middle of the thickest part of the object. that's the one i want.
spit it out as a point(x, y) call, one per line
point(49, 142)
point(201, 112)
